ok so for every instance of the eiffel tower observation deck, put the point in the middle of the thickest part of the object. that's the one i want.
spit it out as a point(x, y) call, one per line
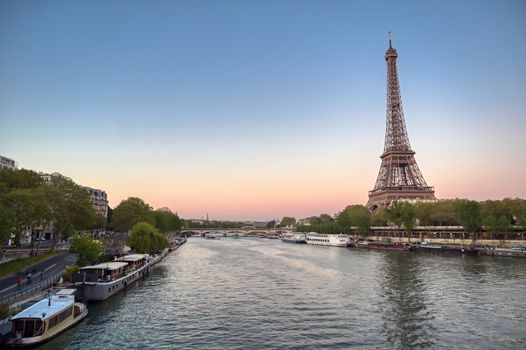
point(399, 177)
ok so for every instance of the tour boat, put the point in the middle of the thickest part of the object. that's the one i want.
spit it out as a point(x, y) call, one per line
point(101, 281)
point(46, 319)
point(337, 240)
point(294, 238)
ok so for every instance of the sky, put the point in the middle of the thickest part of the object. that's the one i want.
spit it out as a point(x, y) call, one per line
point(254, 110)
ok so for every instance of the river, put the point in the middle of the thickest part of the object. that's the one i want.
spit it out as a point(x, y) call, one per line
point(254, 293)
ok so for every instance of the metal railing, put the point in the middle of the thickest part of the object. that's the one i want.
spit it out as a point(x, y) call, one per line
point(30, 288)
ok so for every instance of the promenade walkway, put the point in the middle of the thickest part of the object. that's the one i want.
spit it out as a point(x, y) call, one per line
point(34, 278)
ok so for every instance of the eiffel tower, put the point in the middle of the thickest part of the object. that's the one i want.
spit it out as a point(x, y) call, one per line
point(399, 177)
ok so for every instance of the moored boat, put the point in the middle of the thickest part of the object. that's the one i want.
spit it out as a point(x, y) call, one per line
point(386, 245)
point(294, 238)
point(506, 252)
point(46, 319)
point(99, 282)
point(336, 240)
point(431, 248)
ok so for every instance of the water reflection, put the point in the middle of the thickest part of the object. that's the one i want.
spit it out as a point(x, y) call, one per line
point(407, 320)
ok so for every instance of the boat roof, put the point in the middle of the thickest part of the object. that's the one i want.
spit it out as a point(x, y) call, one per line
point(43, 310)
point(114, 265)
point(133, 257)
point(66, 291)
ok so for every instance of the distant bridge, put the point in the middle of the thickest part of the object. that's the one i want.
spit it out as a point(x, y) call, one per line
point(248, 232)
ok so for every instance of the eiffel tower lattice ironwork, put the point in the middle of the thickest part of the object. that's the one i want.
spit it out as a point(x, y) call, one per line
point(399, 177)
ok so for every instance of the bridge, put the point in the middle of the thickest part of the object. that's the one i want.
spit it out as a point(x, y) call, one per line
point(227, 232)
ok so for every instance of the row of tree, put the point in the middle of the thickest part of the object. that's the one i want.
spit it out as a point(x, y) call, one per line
point(134, 210)
point(28, 201)
point(496, 217)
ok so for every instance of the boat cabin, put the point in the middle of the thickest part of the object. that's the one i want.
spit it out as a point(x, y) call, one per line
point(44, 315)
point(134, 260)
point(104, 272)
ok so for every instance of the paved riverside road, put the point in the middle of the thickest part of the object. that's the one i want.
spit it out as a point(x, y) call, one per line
point(36, 273)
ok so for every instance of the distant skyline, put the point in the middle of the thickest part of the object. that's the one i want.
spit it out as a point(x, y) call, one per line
point(262, 109)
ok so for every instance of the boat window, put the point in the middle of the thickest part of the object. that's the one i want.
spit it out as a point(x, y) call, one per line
point(18, 326)
point(53, 322)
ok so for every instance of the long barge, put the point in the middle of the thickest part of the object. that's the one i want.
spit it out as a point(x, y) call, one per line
point(431, 248)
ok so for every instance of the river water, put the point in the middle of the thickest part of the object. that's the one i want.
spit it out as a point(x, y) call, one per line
point(254, 293)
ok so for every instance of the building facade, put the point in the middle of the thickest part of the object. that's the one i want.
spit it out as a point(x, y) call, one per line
point(8, 163)
point(99, 200)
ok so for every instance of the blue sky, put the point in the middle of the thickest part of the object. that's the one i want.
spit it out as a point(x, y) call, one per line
point(259, 109)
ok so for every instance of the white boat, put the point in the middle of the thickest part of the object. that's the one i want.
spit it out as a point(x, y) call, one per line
point(99, 282)
point(46, 319)
point(294, 238)
point(336, 240)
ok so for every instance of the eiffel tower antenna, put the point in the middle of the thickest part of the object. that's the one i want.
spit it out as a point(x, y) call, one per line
point(399, 177)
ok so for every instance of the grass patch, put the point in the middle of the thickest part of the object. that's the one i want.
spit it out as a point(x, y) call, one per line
point(20, 264)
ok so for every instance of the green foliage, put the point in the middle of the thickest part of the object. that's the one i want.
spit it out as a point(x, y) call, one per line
point(343, 219)
point(378, 218)
point(504, 226)
point(145, 238)
point(5, 311)
point(166, 220)
point(402, 213)
point(28, 201)
point(491, 225)
point(69, 271)
point(361, 218)
point(108, 218)
point(70, 205)
point(354, 215)
point(19, 179)
point(86, 248)
point(287, 221)
point(130, 212)
point(329, 227)
point(6, 225)
point(393, 213)
point(271, 224)
point(468, 214)
point(26, 208)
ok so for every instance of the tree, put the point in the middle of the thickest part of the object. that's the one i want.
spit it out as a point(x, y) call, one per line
point(408, 216)
point(145, 238)
point(504, 226)
point(130, 212)
point(378, 218)
point(393, 213)
point(271, 224)
point(6, 226)
point(325, 218)
point(424, 213)
point(491, 226)
point(344, 220)
point(468, 214)
point(70, 207)
point(355, 215)
point(26, 209)
point(166, 220)
point(287, 221)
point(87, 249)
point(402, 213)
point(108, 218)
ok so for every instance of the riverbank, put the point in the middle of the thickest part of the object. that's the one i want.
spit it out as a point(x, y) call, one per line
point(450, 241)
